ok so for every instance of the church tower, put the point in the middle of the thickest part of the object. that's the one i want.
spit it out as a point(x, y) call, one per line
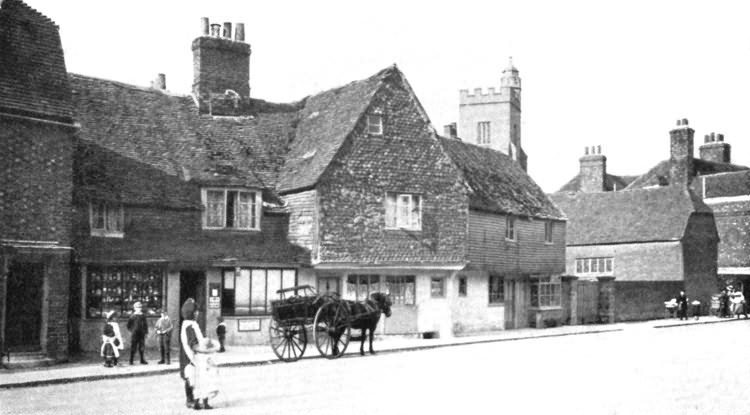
point(493, 119)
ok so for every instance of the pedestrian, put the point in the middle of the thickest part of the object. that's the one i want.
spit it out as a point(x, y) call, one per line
point(738, 303)
point(192, 363)
point(221, 333)
point(138, 327)
point(724, 304)
point(163, 329)
point(682, 305)
point(111, 341)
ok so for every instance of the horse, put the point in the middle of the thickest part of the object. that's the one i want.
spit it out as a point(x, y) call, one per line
point(366, 315)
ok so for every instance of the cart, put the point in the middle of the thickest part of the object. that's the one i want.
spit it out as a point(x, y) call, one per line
point(300, 309)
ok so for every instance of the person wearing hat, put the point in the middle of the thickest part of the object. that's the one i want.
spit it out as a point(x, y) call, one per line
point(111, 341)
point(138, 327)
point(192, 364)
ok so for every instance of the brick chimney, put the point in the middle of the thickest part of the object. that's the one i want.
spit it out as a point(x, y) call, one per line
point(450, 131)
point(681, 153)
point(593, 170)
point(715, 149)
point(221, 68)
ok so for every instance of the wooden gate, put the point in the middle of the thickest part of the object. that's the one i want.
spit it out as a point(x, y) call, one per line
point(588, 302)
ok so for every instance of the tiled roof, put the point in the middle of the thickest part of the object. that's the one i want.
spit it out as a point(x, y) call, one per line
point(497, 183)
point(630, 216)
point(659, 174)
point(324, 123)
point(611, 182)
point(724, 184)
point(33, 79)
point(166, 133)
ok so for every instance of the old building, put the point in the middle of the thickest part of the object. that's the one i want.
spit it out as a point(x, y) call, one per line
point(715, 186)
point(36, 134)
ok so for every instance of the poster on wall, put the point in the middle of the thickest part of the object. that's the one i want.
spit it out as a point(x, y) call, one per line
point(214, 295)
point(248, 324)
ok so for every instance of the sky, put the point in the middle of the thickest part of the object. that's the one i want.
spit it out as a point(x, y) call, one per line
point(618, 74)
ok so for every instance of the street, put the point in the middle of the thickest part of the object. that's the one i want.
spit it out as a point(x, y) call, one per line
point(699, 369)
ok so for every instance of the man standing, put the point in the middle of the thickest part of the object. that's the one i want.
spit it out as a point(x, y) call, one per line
point(138, 327)
point(682, 305)
point(164, 333)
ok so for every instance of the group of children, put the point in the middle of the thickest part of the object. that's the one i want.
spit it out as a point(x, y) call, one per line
point(138, 326)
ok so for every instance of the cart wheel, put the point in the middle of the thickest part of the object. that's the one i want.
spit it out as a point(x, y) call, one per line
point(288, 340)
point(331, 329)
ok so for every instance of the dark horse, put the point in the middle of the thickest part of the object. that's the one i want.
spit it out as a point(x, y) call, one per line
point(365, 316)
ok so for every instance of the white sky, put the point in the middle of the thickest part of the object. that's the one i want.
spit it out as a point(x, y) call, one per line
point(615, 74)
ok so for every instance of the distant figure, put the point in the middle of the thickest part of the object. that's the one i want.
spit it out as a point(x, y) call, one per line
point(724, 304)
point(221, 333)
point(111, 341)
point(682, 305)
point(138, 327)
point(738, 303)
point(163, 330)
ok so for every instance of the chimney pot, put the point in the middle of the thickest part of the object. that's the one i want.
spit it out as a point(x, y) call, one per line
point(160, 82)
point(215, 30)
point(586, 149)
point(227, 30)
point(706, 138)
point(598, 149)
point(713, 137)
point(684, 121)
point(239, 32)
point(204, 26)
point(679, 122)
point(720, 137)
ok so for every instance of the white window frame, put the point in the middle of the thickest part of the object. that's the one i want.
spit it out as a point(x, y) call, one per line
point(256, 212)
point(112, 213)
point(496, 299)
point(549, 291)
point(484, 132)
point(590, 266)
point(375, 124)
point(396, 203)
point(441, 281)
point(510, 228)
point(548, 232)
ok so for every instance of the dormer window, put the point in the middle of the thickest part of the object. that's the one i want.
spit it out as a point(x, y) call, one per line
point(375, 124)
point(231, 209)
point(106, 219)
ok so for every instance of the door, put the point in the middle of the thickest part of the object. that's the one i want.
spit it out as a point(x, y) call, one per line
point(193, 285)
point(588, 302)
point(510, 304)
point(23, 323)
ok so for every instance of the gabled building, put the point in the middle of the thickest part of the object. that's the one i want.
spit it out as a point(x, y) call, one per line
point(36, 135)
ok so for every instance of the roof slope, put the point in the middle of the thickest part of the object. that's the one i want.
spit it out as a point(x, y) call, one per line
point(33, 79)
point(631, 216)
point(324, 123)
point(497, 183)
point(166, 133)
point(611, 183)
point(659, 174)
point(725, 184)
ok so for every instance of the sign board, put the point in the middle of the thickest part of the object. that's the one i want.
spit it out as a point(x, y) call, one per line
point(214, 302)
point(214, 295)
point(251, 324)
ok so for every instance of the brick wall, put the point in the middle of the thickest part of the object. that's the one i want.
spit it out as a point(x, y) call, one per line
point(58, 294)
point(733, 224)
point(405, 159)
point(700, 244)
point(643, 300)
point(528, 254)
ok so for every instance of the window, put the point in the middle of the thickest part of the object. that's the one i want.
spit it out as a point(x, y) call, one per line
point(249, 291)
point(359, 287)
point(510, 228)
point(595, 266)
point(462, 286)
point(548, 232)
point(375, 124)
point(545, 291)
point(483, 132)
point(106, 219)
point(496, 289)
point(329, 285)
point(118, 288)
point(401, 289)
point(231, 209)
point(403, 211)
point(437, 287)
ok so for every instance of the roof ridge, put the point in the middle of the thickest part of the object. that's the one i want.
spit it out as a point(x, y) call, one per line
point(129, 86)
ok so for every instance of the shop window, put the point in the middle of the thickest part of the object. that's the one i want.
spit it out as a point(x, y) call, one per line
point(106, 219)
point(329, 285)
point(462, 286)
point(545, 291)
point(249, 291)
point(231, 209)
point(118, 288)
point(437, 287)
point(496, 289)
point(359, 287)
point(401, 289)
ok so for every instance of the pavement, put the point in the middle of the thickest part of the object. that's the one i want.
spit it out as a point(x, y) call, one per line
point(90, 367)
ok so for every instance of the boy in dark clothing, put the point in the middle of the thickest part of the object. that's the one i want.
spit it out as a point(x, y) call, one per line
point(138, 327)
point(221, 333)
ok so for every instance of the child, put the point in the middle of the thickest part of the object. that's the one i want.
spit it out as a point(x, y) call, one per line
point(206, 372)
point(111, 341)
point(138, 326)
point(163, 330)
point(221, 333)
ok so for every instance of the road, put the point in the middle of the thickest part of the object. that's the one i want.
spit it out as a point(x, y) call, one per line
point(698, 369)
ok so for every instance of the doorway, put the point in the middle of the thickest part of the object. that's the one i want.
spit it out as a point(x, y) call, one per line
point(23, 323)
point(193, 285)
point(510, 304)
